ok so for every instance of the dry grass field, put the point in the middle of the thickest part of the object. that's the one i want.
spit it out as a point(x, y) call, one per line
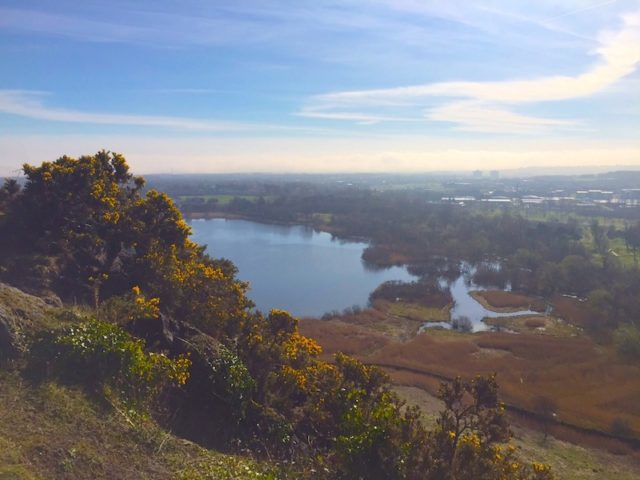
point(501, 301)
point(572, 310)
point(568, 460)
point(590, 384)
point(542, 325)
point(414, 311)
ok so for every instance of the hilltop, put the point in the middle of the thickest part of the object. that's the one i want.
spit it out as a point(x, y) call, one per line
point(131, 338)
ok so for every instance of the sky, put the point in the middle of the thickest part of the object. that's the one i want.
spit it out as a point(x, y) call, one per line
point(321, 86)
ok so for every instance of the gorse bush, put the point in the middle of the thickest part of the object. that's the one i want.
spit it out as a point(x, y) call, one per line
point(127, 308)
point(88, 230)
point(252, 380)
point(102, 354)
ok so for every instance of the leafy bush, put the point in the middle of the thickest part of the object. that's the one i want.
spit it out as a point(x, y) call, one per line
point(621, 427)
point(627, 341)
point(97, 353)
point(121, 309)
point(86, 223)
point(462, 324)
point(220, 379)
point(534, 323)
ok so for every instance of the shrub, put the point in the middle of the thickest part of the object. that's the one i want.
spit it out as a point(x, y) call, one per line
point(125, 308)
point(96, 353)
point(534, 323)
point(462, 324)
point(546, 409)
point(627, 342)
point(621, 427)
point(218, 394)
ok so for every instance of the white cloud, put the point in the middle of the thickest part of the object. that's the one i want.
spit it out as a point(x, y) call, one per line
point(478, 116)
point(361, 118)
point(618, 52)
point(28, 104)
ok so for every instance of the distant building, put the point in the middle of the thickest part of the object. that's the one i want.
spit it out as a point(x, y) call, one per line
point(494, 174)
point(630, 197)
point(498, 199)
point(594, 196)
point(532, 200)
point(458, 199)
point(477, 174)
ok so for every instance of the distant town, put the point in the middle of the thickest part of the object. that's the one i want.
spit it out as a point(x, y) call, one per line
point(609, 191)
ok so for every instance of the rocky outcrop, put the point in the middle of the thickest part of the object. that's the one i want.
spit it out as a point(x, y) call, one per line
point(20, 314)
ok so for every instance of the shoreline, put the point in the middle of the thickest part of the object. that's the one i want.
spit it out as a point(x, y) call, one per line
point(189, 216)
point(479, 296)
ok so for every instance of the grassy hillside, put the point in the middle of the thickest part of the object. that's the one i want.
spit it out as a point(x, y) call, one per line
point(50, 431)
point(568, 461)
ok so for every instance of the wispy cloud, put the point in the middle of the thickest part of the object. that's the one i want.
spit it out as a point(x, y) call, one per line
point(136, 26)
point(361, 118)
point(488, 105)
point(29, 104)
point(480, 116)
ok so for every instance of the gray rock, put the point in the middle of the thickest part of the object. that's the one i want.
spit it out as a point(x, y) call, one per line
point(20, 313)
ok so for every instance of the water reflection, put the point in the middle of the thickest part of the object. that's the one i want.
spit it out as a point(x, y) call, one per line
point(294, 267)
point(467, 306)
point(309, 272)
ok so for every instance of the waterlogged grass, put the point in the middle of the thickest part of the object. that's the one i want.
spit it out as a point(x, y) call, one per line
point(414, 311)
point(537, 324)
point(322, 218)
point(592, 385)
point(501, 301)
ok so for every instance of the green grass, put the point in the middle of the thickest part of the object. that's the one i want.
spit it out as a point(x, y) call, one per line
point(572, 462)
point(616, 247)
point(182, 198)
point(53, 431)
point(565, 217)
point(414, 311)
point(324, 218)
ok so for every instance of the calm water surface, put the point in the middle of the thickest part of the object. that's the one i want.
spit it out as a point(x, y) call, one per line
point(294, 267)
point(467, 306)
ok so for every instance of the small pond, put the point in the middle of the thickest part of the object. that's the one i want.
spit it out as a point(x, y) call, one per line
point(467, 306)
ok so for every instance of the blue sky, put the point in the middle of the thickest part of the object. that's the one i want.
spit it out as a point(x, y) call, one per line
point(278, 86)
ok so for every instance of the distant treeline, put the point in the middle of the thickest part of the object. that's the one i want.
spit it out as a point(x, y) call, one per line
point(169, 332)
point(543, 258)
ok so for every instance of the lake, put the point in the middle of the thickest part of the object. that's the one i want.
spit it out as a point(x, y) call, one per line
point(294, 267)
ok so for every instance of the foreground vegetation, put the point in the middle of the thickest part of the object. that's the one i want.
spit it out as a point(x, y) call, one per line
point(49, 430)
point(568, 460)
point(581, 270)
point(163, 335)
